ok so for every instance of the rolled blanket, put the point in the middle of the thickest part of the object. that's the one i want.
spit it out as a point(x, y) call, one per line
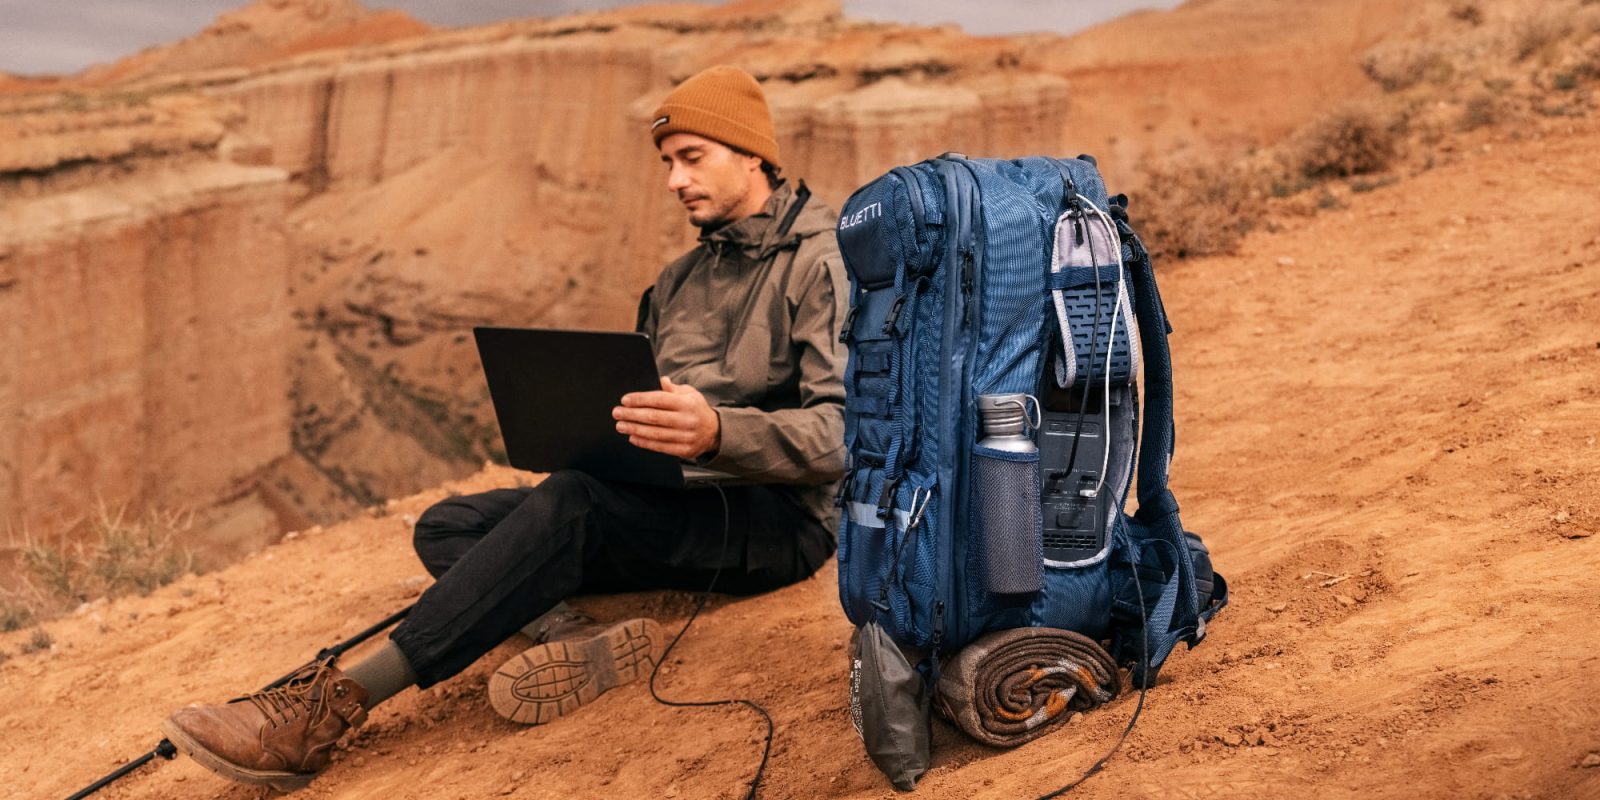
point(1011, 687)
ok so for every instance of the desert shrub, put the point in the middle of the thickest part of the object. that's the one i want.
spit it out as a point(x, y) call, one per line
point(55, 567)
point(14, 617)
point(1480, 110)
point(1353, 140)
point(1193, 207)
point(39, 642)
point(122, 554)
point(138, 555)
point(1287, 185)
point(1573, 109)
point(1537, 33)
point(1588, 63)
point(1468, 12)
point(1401, 64)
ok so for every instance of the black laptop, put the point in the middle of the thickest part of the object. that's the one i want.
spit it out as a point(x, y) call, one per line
point(553, 391)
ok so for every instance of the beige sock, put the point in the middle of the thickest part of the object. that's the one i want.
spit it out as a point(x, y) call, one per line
point(383, 674)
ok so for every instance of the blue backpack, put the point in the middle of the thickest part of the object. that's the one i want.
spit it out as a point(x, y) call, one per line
point(983, 277)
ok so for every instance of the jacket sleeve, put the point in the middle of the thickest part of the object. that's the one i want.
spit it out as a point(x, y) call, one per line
point(803, 445)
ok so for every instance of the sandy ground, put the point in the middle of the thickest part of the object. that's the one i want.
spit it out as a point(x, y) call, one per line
point(1388, 421)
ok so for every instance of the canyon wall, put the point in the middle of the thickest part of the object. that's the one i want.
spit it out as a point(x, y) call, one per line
point(563, 111)
point(143, 341)
point(505, 175)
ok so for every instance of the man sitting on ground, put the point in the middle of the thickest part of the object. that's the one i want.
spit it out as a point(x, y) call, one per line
point(745, 330)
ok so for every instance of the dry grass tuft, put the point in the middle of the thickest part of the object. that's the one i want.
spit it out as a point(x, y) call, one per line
point(1191, 207)
point(1468, 12)
point(122, 554)
point(39, 642)
point(1399, 65)
point(1537, 34)
point(1480, 110)
point(14, 617)
point(139, 555)
point(1351, 141)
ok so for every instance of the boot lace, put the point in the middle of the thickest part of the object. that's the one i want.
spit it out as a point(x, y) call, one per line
point(302, 696)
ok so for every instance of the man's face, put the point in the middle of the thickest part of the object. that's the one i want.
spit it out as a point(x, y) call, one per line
point(711, 180)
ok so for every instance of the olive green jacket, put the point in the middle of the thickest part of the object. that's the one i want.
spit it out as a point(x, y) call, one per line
point(751, 318)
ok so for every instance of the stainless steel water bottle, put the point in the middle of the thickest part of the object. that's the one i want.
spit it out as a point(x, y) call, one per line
point(1004, 421)
point(1007, 473)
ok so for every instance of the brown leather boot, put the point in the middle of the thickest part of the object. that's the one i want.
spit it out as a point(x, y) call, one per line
point(575, 664)
point(557, 623)
point(280, 737)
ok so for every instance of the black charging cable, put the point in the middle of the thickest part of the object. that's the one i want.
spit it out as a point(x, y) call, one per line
point(1088, 369)
point(766, 748)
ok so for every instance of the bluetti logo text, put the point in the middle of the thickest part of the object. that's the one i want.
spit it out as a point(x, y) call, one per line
point(867, 212)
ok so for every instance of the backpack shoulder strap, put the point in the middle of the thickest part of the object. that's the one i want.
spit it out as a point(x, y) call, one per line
point(643, 314)
point(802, 194)
point(1180, 614)
point(1157, 439)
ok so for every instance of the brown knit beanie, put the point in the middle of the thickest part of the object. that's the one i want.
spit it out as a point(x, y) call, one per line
point(722, 103)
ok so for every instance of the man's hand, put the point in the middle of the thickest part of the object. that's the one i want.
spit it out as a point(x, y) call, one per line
point(676, 420)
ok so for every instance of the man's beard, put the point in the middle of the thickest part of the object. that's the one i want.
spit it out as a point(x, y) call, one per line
point(712, 218)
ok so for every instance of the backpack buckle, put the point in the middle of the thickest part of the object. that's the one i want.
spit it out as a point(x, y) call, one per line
point(844, 489)
point(886, 499)
point(893, 317)
point(849, 323)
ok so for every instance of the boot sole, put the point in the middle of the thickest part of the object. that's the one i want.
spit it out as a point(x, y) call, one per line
point(551, 680)
point(282, 781)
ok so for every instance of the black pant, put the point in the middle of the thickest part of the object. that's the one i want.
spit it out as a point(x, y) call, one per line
point(506, 556)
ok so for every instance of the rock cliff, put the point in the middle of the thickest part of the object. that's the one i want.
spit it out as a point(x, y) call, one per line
point(339, 197)
point(145, 325)
point(144, 335)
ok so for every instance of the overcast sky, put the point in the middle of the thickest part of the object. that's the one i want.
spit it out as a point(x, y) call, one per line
point(64, 36)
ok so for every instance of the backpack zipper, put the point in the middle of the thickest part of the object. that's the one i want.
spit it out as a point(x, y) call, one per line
point(968, 280)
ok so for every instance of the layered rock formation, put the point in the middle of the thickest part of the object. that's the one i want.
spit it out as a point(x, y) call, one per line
point(144, 336)
point(504, 175)
point(339, 199)
point(559, 109)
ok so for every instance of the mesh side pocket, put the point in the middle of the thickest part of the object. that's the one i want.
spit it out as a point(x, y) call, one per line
point(1010, 522)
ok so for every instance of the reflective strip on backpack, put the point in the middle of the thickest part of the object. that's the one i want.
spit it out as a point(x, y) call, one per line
point(866, 515)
